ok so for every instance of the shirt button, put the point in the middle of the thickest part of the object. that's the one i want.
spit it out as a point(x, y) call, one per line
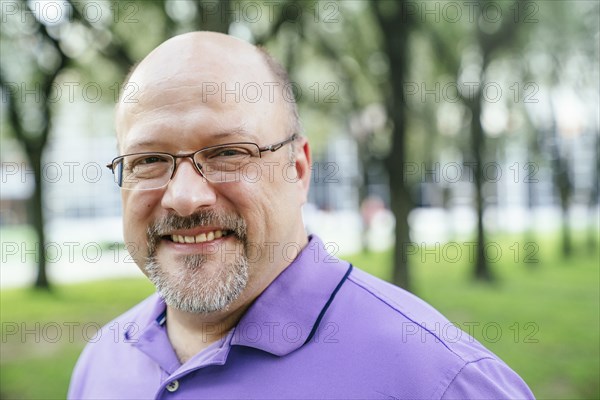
point(173, 386)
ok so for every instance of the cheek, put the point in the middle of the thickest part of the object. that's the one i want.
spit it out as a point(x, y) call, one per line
point(251, 200)
point(265, 203)
point(138, 209)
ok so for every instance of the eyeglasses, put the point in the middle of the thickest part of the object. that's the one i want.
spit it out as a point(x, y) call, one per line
point(221, 163)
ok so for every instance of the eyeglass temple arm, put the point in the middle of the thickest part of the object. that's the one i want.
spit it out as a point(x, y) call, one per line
point(277, 146)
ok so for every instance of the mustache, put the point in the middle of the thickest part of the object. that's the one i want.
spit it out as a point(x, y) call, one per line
point(164, 225)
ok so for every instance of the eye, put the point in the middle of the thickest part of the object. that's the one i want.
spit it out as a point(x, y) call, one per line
point(151, 159)
point(135, 163)
point(148, 159)
point(228, 152)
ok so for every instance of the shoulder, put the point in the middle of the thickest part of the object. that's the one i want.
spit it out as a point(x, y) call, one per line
point(412, 342)
point(110, 349)
point(126, 327)
point(411, 316)
point(487, 378)
point(399, 302)
point(403, 325)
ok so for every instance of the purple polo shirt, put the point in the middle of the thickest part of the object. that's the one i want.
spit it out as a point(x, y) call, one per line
point(322, 330)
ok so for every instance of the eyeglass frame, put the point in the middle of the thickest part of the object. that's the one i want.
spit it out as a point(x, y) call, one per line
point(272, 148)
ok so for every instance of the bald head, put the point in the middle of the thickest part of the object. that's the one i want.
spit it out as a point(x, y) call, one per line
point(203, 52)
point(217, 67)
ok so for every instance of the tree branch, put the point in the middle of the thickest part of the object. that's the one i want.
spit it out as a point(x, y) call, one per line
point(115, 51)
point(13, 114)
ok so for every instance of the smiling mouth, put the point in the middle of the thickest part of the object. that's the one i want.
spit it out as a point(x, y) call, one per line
point(200, 238)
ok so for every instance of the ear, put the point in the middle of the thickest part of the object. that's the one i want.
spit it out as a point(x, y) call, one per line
point(303, 167)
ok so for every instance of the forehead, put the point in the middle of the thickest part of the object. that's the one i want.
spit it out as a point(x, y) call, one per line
point(182, 111)
point(139, 141)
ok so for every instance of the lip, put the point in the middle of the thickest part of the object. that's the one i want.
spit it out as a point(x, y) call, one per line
point(195, 231)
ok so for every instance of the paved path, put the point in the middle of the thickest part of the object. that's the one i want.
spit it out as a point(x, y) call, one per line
point(19, 274)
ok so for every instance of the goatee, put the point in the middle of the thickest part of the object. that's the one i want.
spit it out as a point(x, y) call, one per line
point(188, 286)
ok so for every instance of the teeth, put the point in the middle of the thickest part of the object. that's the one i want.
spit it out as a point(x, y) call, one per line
point(201, 238)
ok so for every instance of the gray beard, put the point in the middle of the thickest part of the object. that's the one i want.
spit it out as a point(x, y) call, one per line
point(188, 287)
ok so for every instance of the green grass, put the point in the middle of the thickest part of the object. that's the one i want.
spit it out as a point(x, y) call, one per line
point(547, 313)
point(43, 333)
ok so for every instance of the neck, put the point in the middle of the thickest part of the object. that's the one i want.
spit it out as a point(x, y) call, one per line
point(191, 333)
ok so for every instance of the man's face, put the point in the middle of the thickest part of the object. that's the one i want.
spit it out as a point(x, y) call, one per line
point(207, 245)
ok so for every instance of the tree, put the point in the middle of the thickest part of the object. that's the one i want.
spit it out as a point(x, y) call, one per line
point(33, 139)
point(396, 28)
point(30, 27)
point(490, 40)
point(568, 48)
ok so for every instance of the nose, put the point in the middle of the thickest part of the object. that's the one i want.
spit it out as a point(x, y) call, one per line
point(188, 191)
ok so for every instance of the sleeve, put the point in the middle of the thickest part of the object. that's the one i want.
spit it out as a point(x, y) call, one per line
point(487, 378)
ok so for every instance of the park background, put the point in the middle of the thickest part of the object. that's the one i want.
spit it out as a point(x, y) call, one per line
point(455, 154)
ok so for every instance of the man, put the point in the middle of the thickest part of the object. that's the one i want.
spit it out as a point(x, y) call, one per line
point(213, 175)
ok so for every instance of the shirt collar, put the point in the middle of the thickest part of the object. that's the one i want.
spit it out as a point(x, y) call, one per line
point(285, 316)
point(152, 339)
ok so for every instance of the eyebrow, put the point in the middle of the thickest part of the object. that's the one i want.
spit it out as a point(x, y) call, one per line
point(240, 133)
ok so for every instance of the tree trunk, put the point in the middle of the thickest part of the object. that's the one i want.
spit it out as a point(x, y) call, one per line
point(37, 217)
point(529, 236)
point(395, 29)
point(592, 230)
point(562, 183)
point(564, 189)
point(482, 271)
point(401, 206)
